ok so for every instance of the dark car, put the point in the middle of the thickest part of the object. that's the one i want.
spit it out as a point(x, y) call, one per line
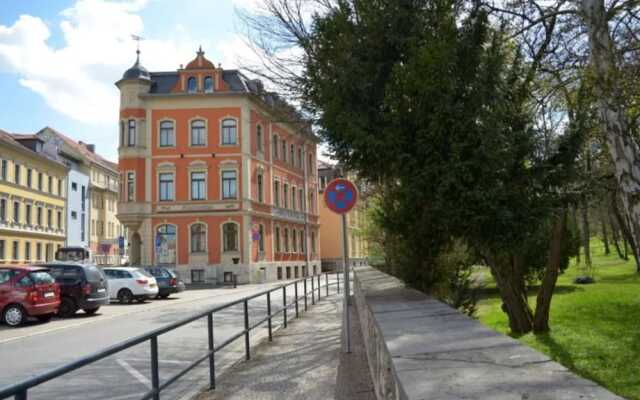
point(82, 287)
point(168, 282)
point(27, 292)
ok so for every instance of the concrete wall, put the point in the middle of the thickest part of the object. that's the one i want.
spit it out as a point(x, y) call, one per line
point(74, 205)
point(419, 348)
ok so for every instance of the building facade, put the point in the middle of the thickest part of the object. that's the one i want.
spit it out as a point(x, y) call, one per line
point(331, 223)
point(217, 175)
point(92, 193)
point(32, 203)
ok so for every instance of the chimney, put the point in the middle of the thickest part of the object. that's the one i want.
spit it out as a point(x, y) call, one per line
point(91, 148)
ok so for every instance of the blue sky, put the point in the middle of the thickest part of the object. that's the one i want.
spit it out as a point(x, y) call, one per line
point(60, 58)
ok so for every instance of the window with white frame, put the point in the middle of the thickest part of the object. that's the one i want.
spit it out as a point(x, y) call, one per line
point(166, 190)
point(131, 186)
point(198, 185)
point(198, 133)
point(208, 84)
point(230, 236)
point(192, 85)
point(131, 133)
point(259, 144)
point(260, 187)
point(198, 238)
point(229, 132)
point(167, 134)
point(229, 185)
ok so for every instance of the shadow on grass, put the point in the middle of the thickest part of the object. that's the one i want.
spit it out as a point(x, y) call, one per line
point(632, 278)
point(493, 293)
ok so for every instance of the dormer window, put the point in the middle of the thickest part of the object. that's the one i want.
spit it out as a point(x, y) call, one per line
point(208, 84)
point(192, 87)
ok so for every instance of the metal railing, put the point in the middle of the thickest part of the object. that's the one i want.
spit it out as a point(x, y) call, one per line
point(20, 390)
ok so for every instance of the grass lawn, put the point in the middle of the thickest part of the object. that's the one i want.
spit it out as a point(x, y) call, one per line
point(595, 329)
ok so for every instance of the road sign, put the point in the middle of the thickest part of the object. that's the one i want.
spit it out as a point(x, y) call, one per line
point(121, 242)
point(340, 196)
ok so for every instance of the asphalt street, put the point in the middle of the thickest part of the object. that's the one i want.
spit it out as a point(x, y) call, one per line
point(37, 347)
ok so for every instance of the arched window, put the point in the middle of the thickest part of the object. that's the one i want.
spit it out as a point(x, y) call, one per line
point(260, 187)
point(198, 133)
point(208, 84)
point(165, 244)
point(131, 133)
point(275, 147)
point(230, 236)
point(167, 136)
point(229, 131)
point(192, 87)
point(198, 238)
point(259, 144)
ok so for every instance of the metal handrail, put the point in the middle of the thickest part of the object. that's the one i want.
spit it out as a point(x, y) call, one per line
point(20, 389)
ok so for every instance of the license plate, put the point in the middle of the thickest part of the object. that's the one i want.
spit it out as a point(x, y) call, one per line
point(49, 294)
point(101, 290)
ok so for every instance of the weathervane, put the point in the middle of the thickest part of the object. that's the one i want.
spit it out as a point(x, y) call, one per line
point(137, 39)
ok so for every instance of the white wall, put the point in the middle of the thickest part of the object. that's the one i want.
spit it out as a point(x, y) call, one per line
point(74, 204)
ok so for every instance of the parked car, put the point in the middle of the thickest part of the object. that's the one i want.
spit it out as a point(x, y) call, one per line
point(127, 284)
point(27, 292)
point(82, 287)
point(168, 282)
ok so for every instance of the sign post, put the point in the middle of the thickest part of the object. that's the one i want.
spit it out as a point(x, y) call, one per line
point(341, 196)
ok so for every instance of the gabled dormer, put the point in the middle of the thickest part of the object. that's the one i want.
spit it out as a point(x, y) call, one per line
point(200, 76)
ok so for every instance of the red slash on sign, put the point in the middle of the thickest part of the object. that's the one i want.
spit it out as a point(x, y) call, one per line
point(340, 196)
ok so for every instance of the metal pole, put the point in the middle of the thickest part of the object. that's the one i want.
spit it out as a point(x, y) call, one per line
point(212, 362)
point(345, 267)
point(326, 282)
point(246, 330)
point(338, 279)
point(284, 304)
point(319, 287)
point(305, 294)
point(296, 293)
point(269, 314)
point(313, 291)
point(155, 374)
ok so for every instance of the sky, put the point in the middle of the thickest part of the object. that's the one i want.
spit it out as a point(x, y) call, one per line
point(59, 59)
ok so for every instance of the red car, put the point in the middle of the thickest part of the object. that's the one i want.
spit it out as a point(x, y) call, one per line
point(27, 292)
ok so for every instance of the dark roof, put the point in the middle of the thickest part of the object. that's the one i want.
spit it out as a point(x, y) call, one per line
point(137, 71)
point(8, 139)
point(82, 148)
point(164, 82)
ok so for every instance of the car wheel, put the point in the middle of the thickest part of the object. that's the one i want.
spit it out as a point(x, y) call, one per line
point(67, 307)
point(45, 318)
point(91, 311)
point(125, 296)
point(14, 315)
point(164, 296)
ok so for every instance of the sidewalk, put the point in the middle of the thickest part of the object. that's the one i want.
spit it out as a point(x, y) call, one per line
point(304, 361)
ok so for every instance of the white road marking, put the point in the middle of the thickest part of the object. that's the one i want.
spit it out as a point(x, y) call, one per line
point(134, 372)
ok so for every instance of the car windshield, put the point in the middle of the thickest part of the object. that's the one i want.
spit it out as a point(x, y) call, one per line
point(41, 277)
point(66, 272)
point(160, 273)
point(93, 273)
point(142, 273)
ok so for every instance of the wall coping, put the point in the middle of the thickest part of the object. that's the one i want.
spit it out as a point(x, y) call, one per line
point(422, 349)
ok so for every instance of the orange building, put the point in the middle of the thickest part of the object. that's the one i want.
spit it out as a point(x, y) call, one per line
point(218, 176)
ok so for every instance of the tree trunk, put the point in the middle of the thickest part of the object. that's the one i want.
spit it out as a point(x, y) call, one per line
point(605, 234)
point(509, 276)
point(543, 301)
point(626, 231)
point(576, 224)
point(586, 235)
point(622, 145)
point(615, 237)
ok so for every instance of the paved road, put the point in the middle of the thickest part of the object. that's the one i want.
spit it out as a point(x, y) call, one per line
point(38, 347)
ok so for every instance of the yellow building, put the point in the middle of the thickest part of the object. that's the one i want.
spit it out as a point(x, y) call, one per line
point(331, 224)
point(32, 204)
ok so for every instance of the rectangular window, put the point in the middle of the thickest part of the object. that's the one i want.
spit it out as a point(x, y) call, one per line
point(276, 193)
point(3, 210)
point(166, 186)
point(313, 242)
point(49, 218)
point(286, 240)
point(229, 133)
point(74, 186)
point(50, 184)
point(38, 251)
point(260, 189)
point(293, 198)
point(39, 216)
point(131, 133)
point(288, 272)
point(14, 252)
point(2, 244)
point(301, 193)
point(285, 193)
point(16, 212)
point(166, 134)
point(131, 180)
point(27, 214)
point(16, 177)
point(74, 215)
point(261, 240)
point(279, 273)
point(294, 240)
point(83, 201)
point(60, 220)
point(29, 177)
point(3, 170)
point(274, 146)
point(198, 133)
point(229, 185)
point(277, 239)
point(82, 218)
point(27, 251)
point(198, 188)
point(59, 187)
point(197, 276)
point(302, 244)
